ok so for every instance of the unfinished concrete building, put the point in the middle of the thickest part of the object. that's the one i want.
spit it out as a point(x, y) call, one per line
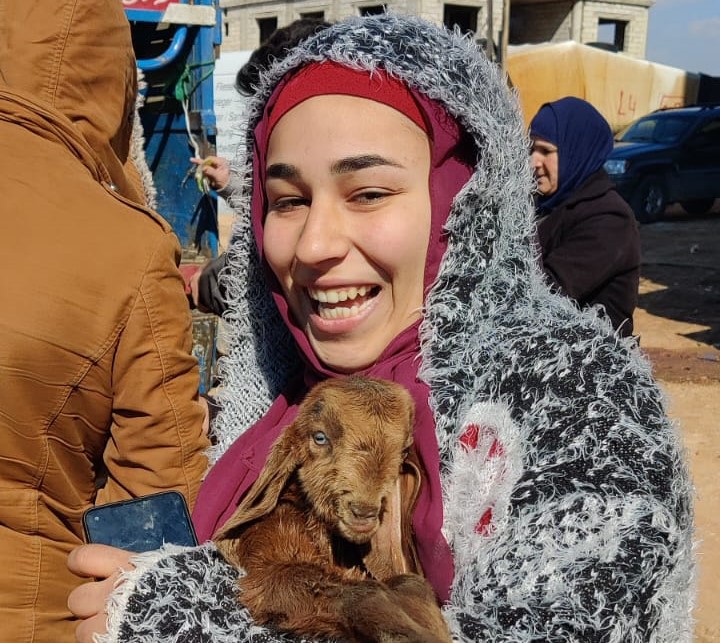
point(620, 25)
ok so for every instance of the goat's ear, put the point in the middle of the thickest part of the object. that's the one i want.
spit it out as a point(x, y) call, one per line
point(264, 494)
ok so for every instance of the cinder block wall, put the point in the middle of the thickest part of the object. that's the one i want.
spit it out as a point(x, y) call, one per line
point(530, 23)
point(635, 32)
point(547, 22)
point(241, 32)
point(570, 20)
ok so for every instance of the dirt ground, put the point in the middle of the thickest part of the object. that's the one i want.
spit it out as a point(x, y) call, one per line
point(679, 326)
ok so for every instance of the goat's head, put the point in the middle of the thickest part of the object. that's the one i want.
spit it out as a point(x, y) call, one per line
point(346, 445)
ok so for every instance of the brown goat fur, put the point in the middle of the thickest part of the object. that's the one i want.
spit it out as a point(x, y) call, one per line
point(312, 533)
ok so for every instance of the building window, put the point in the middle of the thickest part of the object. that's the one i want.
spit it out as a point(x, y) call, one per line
point(612, 32)
point(266, 26)
point(373, 10)
point(313, 15)
point(464, 17)
point(226, 24)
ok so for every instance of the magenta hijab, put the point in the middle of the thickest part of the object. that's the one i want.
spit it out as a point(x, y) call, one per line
point(235, 472)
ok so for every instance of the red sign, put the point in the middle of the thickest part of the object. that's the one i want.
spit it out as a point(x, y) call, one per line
point(157, 5)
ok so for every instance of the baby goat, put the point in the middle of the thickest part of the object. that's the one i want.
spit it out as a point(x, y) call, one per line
point(319, 533)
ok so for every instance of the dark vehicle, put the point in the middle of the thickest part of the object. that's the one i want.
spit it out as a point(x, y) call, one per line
point(669, 156)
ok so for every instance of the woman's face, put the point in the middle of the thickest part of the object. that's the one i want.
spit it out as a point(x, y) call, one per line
point(348, 223)
point(544, 158)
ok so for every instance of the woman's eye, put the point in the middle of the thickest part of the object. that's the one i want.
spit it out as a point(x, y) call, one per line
point(287, 204)
point(320, 438)
point(370, 196)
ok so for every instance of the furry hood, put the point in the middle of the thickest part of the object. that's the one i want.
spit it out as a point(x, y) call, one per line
point(481, 102)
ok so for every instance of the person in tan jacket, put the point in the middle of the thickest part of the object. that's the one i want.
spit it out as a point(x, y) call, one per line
point(96, 370)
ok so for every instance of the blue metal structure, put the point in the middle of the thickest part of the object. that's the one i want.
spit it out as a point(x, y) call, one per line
point(176, 43)
point(177, 61)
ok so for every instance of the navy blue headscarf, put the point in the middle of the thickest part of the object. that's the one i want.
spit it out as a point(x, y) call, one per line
point(583, 138)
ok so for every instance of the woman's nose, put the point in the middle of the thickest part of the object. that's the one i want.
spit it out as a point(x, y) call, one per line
point(324, 236)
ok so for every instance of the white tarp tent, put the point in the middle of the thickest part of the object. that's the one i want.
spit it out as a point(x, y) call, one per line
point(620, 87)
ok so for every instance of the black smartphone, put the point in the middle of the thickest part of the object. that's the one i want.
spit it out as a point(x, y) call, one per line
point(141, 524)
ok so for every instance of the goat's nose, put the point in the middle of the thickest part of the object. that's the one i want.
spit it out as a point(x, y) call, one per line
point(363, 511)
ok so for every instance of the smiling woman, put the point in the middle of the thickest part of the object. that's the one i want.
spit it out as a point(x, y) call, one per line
point(346, 233)
point(385, 228)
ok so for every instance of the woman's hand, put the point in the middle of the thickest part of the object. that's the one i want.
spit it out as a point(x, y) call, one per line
point(215, 169)
point(88, 601)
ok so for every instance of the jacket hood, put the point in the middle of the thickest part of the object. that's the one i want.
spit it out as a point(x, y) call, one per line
point(490, 222)
point(74, 58)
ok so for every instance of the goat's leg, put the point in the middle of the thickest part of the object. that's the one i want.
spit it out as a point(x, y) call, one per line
point(379, 616)
point(303, 598)
point(415, 595)
point(309, 600)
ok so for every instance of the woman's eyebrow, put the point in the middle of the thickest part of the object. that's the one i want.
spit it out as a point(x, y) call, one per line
point(361, 162)
point(282, 171)
point(343, 166)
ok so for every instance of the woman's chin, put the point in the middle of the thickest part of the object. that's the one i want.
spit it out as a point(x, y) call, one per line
point(345, 356)
point(347, 344)
point(354, 343)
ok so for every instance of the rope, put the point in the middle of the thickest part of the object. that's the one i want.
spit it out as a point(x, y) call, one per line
point(184, 89)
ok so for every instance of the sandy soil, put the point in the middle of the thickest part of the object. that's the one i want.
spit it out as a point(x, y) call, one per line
point(679, 327)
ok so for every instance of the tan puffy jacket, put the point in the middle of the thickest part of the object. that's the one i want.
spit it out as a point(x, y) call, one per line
point(95, 331)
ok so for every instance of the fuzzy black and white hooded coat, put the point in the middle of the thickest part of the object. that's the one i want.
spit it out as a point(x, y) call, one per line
point(590, 537)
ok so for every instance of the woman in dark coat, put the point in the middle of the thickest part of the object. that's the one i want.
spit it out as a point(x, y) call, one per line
point(587, 233)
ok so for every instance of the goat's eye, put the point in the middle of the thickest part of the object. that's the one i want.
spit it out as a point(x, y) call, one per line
point(320, 438)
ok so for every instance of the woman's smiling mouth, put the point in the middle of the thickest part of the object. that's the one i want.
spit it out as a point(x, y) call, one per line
point(341, 303)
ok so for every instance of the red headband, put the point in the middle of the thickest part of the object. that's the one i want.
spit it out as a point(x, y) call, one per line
point(320, 79)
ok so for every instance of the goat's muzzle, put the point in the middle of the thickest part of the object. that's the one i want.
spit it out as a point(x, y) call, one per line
point(360, 521)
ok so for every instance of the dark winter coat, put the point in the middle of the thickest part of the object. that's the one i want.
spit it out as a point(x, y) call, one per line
point(591, 249)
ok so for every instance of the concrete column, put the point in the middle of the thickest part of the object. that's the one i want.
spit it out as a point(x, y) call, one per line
point(576, 21)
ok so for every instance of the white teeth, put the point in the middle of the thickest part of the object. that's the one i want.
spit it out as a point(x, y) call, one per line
point(339, 313)
point(335, 296)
